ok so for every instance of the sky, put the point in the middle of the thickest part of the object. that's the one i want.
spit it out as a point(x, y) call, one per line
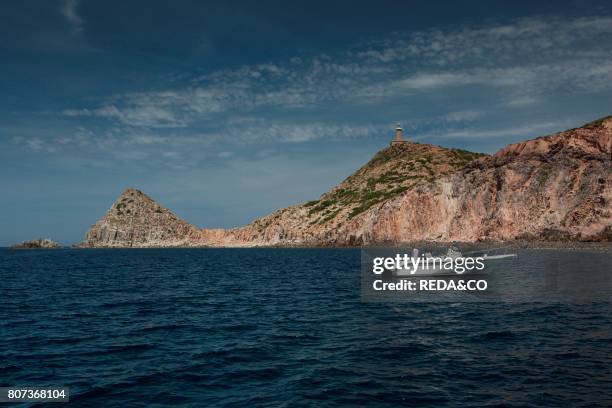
point(225, 112)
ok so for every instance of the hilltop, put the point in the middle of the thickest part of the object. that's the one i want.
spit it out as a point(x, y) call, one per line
point(555, 187)
point(338, 215)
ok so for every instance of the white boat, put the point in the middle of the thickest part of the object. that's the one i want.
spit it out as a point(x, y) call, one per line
point(424, 268)
point(503, 256)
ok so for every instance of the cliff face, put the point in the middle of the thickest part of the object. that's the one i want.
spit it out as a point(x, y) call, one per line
point(557, 187)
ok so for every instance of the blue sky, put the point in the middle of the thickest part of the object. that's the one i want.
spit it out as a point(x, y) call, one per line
point(224, 113)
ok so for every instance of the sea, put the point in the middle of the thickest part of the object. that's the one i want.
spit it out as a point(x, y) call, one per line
point(289, 328)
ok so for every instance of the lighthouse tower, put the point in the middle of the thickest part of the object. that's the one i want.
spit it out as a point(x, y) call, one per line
point(399, 136)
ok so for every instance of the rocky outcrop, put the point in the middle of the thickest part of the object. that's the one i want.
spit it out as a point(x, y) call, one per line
point(40, 243)
point(135, 220)
point(556, 187)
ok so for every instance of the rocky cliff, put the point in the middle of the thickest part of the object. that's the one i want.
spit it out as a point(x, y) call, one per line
point(557, 187)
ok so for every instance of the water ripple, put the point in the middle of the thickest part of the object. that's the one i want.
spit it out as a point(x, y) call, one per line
point(282, 328)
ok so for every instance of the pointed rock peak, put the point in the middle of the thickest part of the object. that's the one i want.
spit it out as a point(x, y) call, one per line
point(131, 190)
point(133, 193)
point(135, 219)
point(134, 202)
point(134, 199)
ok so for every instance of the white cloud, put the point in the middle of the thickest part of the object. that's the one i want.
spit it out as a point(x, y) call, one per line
point(433, 80)
point(69, 11)
point(522, 101)
point(36, 144)
point(463, 115)
point(225, 155)
point(136, 113)
point(279, 132)
point(189, 149)
point(514, 65)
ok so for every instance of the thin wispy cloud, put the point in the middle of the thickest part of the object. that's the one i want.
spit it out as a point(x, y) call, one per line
point(525, 59)
point(69, 9)
point(527, 131)
point(255, 131)
point(518, 65)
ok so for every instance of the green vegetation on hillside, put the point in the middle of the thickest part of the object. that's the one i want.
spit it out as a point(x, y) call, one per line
point(390, 173)
point(463, 157)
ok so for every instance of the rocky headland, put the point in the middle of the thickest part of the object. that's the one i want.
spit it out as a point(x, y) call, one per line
point(552, 188)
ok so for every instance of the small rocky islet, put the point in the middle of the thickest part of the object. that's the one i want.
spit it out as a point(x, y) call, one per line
point(40, 243)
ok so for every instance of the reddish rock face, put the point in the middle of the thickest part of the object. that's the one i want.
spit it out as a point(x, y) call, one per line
point(551, 188)
point(557, 187)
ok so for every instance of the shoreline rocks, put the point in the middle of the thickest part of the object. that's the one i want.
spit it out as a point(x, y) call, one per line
point(40, 243)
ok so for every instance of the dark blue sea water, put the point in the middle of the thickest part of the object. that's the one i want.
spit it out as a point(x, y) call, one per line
point(283, 327)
